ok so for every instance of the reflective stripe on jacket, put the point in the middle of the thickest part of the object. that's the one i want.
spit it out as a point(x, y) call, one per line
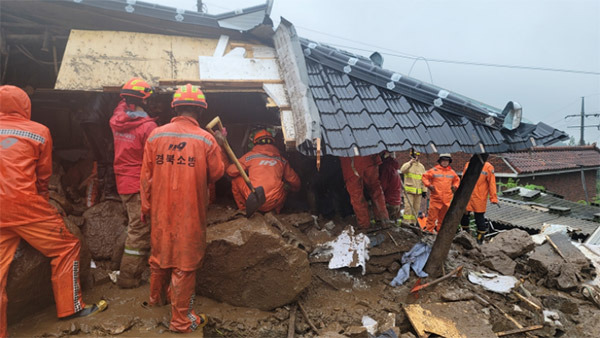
point(413, 177)
point(443, 179)
point(266, 168)
point(25, 162)
point(180, 160)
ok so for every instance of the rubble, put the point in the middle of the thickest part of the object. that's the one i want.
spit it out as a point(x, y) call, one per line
point(248, 264)
point(104, 223)
point(465, 240)
point(553, 271)
point(497, 260)
point(513, 243)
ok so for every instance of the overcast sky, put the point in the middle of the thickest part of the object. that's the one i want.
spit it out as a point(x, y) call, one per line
point(557, 34)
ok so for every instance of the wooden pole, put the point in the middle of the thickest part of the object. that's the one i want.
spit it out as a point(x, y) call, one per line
point(522, 330)
point(443, 241)
point(292, 324)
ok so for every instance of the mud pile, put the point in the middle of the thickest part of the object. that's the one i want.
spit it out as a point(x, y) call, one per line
point(266, 262)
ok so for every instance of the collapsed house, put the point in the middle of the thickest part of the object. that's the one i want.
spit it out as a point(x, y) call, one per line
point(324, 102)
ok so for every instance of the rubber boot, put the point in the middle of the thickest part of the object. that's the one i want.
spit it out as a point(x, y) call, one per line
point(132, 268)
point(89, 310)
point(480, 236)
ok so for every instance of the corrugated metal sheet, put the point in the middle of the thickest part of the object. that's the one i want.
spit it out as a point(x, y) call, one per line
point(365, 109)
point(581, 211)
point(526, 217)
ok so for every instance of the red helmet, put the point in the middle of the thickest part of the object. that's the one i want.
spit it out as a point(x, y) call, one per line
point(189, 95)
point(263, 134)
point(137, 87)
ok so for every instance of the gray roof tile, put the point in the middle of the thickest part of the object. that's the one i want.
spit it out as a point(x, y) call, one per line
point(359, 110)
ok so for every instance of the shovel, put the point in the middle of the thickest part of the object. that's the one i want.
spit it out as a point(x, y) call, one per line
point(257, 195)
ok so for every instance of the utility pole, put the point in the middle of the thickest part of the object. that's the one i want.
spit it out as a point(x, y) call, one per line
point(581, 138)
point(582, 127)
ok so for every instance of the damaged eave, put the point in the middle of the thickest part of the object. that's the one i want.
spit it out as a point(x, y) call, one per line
point(300, 123)
point(365, 109)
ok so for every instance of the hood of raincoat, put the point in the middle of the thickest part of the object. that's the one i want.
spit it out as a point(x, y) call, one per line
point(124, 119)
point(14, 101)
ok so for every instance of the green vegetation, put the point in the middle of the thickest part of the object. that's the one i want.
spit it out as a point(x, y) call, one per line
point(514, 184)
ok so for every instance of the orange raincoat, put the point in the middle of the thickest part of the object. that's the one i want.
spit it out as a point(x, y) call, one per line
point(442, 180)
point(180, 161)
point(363, 171)
point(266, 168)
point(486, 186)
point(25, 170)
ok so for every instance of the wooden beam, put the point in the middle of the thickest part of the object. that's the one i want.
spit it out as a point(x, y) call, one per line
point(443, 241)
point(292, 324)
point(521, 330)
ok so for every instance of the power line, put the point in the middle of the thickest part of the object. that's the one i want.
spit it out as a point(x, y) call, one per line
point(471, 63)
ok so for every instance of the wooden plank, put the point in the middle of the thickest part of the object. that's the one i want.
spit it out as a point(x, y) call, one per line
point(277, 92)
point(97, 59)
point(234, 68)
point(288, 128)
point(521, 330)
point(455, 319)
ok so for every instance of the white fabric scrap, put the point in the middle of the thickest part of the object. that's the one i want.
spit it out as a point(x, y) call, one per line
point(349, 250)
point(493, 282)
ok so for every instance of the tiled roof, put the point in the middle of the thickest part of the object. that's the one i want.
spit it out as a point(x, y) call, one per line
point(580, 211)
point(136, 16)
point(554, 158)
point(537, 159)
point(365, 109)
point(528, 218)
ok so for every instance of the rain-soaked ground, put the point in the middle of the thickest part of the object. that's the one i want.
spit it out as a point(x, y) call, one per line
point(335, 302)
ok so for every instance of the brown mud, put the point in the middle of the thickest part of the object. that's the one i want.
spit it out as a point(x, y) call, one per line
point(335, 301)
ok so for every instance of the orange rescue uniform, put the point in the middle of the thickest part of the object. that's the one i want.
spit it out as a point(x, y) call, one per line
point(486, 186)
point(442, 180)
point(25, 170)
point(266, 168)
point(180, 161)
point(358, 172)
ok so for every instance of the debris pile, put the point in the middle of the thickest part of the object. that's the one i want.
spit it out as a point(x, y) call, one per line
point(270, 275)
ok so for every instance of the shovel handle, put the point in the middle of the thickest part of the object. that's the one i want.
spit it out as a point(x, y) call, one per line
point(217, 122)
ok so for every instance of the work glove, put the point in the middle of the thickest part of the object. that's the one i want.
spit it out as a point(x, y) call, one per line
point(424, 194)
